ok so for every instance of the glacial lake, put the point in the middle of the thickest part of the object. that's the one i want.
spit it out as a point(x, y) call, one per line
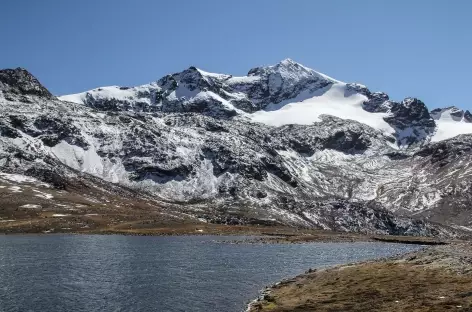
point(166, 274)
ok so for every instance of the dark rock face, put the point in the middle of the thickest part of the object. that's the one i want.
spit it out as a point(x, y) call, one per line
point(118, 105)
point(184, 139)
point(378, 102)
point(408, 111)
point(348, 138)
point(20, 81)
point(8, 131)
point(445, 152)
point(411, 120)
point(370, 217)
point(281, 82)
point(51, 176)
point(207, 106)
point(467, 116)
point(457, 113)
point(50, 130)
point(177, 91)
point(353, 88)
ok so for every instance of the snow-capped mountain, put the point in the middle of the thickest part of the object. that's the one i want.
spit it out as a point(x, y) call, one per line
point(286, 93)
point(283, 144)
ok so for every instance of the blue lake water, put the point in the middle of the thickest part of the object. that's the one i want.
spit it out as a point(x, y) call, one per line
point(73, 273)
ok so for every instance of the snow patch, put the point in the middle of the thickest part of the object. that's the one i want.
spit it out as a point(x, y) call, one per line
point(110, 92)
point(447, 127)
point(213, 75)
point(17, 178)
point(15, 189)
point(43, 195)
point(78, 158)
point(31, 206)
point(243, 80)
point(331, 102)
point(466, 228)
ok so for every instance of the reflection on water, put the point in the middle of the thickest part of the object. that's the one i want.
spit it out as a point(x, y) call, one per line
point(127, 273)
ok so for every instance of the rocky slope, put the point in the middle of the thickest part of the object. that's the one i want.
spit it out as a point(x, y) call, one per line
point(284, 144)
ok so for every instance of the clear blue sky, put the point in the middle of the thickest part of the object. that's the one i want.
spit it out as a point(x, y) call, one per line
point(405, 48)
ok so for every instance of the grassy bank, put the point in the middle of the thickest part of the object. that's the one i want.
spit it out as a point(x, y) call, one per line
point(438, 278)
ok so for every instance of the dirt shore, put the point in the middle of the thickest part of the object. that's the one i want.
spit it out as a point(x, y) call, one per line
point(256, 234)
point(437, 278)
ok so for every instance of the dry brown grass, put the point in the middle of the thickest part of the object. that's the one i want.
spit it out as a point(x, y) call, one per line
point(379, 286)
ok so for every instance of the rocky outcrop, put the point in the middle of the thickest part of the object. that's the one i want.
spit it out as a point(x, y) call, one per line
point(19, 81)
point(411, 121)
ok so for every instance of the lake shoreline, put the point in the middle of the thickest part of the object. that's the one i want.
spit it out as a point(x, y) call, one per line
point(257, 234)
point(436, 278)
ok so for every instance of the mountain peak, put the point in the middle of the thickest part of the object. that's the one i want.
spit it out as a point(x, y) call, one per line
point(21, 81)
point(288, 61)
point(290, 64)
point(195, 72)
point(291, 70)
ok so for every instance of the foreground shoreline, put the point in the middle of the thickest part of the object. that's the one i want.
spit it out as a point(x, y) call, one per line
point(436, 278)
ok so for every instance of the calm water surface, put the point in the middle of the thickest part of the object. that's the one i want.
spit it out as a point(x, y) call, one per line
point(126, 273)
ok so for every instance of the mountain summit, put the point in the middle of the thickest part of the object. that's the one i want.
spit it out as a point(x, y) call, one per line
point(285, 93)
